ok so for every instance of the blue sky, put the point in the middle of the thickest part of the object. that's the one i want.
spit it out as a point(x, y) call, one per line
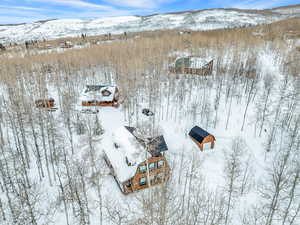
point(24, 11)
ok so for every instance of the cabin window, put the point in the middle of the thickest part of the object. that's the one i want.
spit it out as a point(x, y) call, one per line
point(152, 166)
point(152, 179)
point(128, 184)
point(160, 164)
point(143, 168)
point(160, 177)
point(143, 181)
point(106, 93)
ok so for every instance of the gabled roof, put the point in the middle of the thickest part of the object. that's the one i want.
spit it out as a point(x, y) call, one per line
point(198, 133)
point(98, 93)
point(125, 153)
point(130, 129)
point(191, 62)
point(157, 145)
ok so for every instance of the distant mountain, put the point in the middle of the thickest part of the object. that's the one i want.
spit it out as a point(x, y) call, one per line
point(207, 19)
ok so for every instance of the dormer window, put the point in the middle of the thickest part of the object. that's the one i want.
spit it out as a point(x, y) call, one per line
point(106, 93)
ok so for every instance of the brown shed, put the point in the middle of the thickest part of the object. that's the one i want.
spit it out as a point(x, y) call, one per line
point(44, 103)
point(201, 137)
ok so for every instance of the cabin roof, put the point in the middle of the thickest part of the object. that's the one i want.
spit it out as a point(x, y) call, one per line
point(98, 93)
point(125, 153)
point(157, 145)
point(191, 62)
point(198, 133)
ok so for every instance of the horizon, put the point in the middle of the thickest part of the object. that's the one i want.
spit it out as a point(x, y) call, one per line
point(29, 11)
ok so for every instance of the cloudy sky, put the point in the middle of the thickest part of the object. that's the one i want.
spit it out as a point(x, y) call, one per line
point(24, 11)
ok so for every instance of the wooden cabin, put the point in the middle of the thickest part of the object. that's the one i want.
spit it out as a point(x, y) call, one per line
point(48, 46)
point(45, 103)
point(192, 65)
point(2, 47)
point(66, 44)
point(134, 163)
point(202, 138)
point(100, 95)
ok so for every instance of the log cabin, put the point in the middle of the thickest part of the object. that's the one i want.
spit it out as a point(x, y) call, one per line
point(134, 163)
point(100, 95)
point(45, 103)
point(202, 138)
point(192, 65)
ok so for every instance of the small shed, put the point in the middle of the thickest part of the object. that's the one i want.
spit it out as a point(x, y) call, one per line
point(45, 103)
point(66, 44)
point(201, 137)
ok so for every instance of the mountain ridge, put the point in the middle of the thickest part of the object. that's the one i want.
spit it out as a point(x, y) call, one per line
point(204, 19)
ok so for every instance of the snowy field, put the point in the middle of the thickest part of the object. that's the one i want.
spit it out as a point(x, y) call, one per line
point(52, 167)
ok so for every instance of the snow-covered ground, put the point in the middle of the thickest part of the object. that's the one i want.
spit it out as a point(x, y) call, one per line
point(175, 121)
point(197, 20)
point(229, 106)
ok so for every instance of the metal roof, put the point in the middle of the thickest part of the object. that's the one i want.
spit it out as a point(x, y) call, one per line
point(198, 133)
point(157, 145)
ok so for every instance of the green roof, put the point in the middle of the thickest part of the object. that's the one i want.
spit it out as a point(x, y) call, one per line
point(183, 62)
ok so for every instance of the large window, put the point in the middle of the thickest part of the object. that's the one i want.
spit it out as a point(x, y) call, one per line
point(152, 166)
point(143, 168)
point(160, 164)
point(143, 181)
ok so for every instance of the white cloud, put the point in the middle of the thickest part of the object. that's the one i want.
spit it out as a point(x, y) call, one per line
point(74, 3)
point(146, 4)
point(24, 14)
point(20, 7)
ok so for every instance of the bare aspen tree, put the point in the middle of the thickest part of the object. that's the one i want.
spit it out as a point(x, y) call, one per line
point(250, 96)
point(268, 85)
point(63, 195)
point(233, 173)
point(293, 197)
point(280, 173)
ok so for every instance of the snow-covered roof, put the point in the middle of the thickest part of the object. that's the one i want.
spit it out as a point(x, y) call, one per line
point(102, 93)
point(124, 152)
point(190, 62)
point(197, 62)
